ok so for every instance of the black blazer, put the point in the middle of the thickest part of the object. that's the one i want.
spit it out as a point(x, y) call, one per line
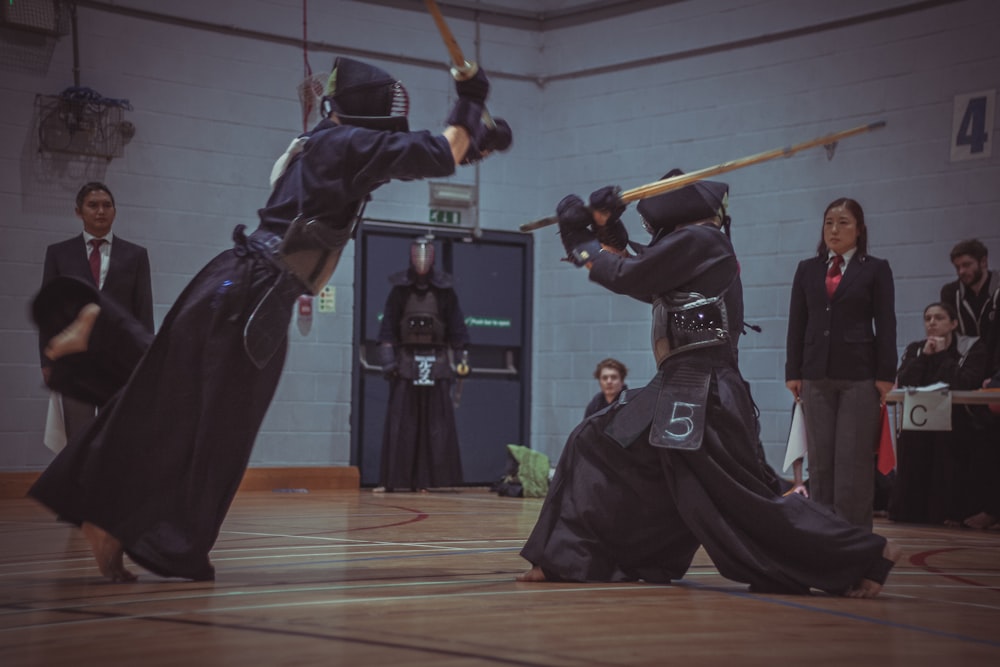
point(834, 338)
point(127, 282)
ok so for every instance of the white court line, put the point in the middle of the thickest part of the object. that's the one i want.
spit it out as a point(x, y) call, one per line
point(332, 539)
point(283, 605)
point(348, 588)
point(485, 544)
point(331, 588)
point(355, 554)
point(955, 603)
point(528, 590)
point(346, 557)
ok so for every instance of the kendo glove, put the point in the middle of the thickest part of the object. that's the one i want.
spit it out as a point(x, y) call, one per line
point(474, 88)
point(387, 360)
point(492, 137)
point(613, 233)
point(578, 239)
point(468, 114)
point(608, 199)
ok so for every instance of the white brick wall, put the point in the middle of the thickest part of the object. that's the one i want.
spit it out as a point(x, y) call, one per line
point(629, 125)
point(213, 109)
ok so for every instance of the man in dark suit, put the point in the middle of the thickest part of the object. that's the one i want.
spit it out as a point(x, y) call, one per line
point(841, 359)
point(118, 268)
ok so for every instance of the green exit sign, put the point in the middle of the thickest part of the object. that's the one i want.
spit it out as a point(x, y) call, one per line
point(442, 217)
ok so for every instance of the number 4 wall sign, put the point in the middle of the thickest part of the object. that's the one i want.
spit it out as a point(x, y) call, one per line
point(972, 125)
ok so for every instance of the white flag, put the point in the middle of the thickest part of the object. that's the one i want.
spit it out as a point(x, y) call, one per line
point(796, 448)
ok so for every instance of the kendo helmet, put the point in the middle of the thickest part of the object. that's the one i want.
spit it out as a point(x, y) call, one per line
point(693, 203)
point(367, 96)
point(422, 255)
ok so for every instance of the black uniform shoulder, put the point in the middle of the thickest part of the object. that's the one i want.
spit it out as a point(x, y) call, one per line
point(127, 244)
point(58, 245)
point(401, 278)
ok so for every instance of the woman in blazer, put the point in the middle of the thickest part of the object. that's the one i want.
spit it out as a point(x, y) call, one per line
point(841, 359)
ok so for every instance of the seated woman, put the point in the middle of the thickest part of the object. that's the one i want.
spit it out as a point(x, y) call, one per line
point(610, 374)
point(931, 465)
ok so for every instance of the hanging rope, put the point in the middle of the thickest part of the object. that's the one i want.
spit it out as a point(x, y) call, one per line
point(309, 96)
point(305, 39)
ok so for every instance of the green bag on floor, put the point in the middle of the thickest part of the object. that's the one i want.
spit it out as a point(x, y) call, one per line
point(532, 471)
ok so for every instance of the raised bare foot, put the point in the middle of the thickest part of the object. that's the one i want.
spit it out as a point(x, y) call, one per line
point(107, 552)
point(76, 336)
point(533, 575)
point(869, 588)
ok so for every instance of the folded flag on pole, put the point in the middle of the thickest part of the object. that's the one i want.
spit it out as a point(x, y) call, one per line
point(796, 448)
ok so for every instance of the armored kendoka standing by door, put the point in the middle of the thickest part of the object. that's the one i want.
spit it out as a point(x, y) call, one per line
point(156, 475)
point(422, 330)
point(679, 464)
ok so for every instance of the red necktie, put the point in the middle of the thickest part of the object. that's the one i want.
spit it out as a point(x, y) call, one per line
point(95, 260)
point(833, 276)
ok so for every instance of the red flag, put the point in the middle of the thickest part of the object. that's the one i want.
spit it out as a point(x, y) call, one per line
point(886, 454)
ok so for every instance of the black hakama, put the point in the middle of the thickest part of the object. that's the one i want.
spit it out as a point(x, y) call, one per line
point(161, 464)
point(623, 509)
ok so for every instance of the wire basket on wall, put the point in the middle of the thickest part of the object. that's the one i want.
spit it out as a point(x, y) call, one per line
point(48, 17)
point(80, 122)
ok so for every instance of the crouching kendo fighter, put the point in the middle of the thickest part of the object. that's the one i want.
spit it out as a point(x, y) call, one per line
point(679, 463)
point(156, 474)
point(421, 322)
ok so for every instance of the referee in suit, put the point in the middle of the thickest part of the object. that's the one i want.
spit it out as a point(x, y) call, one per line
point(116, 267)
point(841, 359)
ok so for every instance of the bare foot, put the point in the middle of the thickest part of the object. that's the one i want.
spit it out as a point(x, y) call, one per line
point(107, 552)
point(378, 489)
point(535, 574)
point(76, 336)
point(869, 588)
point(981, 521)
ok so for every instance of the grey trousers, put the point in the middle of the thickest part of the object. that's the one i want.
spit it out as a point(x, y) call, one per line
point(77, 415)
point(842, 428)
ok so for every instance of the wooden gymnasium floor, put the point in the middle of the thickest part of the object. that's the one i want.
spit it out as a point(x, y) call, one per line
point(354, 578)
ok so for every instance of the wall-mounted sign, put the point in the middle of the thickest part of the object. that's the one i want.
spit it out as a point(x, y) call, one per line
point(491, 322)
point(972, 125)
point(442, 217)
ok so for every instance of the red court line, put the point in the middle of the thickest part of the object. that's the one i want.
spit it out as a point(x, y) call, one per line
point(420, 516)
point(920, 560)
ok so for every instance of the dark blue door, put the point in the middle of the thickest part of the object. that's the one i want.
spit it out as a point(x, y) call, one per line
point(493, 283)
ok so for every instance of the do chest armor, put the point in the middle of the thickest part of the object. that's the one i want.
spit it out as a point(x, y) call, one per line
point(684, 321)
point(421, 324)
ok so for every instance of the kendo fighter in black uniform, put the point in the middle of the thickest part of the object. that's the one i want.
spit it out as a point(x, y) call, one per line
point(679, 464)
point(156, 474)
point(421, 324)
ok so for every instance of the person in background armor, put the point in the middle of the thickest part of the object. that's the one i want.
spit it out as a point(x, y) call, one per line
point(155, 477)
point(421, 323)
point(679, 464)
